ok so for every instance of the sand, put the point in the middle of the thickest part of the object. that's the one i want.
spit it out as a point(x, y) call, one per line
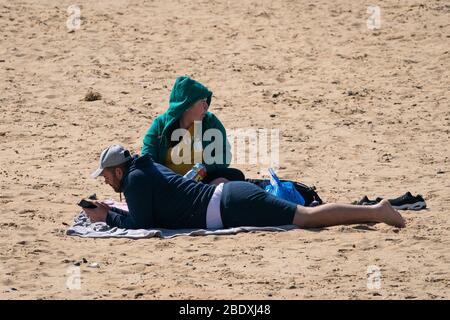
point(359, 111)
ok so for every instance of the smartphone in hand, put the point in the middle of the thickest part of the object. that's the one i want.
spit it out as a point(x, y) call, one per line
point(86, 204)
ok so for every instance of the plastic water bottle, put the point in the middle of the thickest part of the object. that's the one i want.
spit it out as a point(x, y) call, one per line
point(197, 173)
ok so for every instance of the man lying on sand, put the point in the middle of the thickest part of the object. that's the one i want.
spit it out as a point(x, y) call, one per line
point(159, 198)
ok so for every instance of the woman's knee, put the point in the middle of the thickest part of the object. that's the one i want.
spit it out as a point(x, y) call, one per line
point(230, 174)
point(234, 174)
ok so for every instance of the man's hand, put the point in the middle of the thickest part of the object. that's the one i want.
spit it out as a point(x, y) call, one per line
point(98, 214)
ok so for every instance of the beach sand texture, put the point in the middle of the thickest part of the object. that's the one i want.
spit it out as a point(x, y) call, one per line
point(360, 112)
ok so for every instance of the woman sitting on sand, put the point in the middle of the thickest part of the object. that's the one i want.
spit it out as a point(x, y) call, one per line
point(188, 110)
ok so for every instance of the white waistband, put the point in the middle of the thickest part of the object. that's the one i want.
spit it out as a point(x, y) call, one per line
point(213, 217)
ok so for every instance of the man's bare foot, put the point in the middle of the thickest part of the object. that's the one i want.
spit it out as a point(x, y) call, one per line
point(391, 216)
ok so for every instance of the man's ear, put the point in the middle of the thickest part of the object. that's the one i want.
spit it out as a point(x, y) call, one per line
point(119, 173)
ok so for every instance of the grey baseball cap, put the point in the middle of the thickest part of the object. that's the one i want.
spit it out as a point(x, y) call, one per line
point(110, 157)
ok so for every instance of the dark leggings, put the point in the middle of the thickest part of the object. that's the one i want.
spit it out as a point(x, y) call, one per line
point(245, 204)
point(230, 174)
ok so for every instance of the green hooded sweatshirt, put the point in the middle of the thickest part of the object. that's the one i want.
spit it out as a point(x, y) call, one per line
point(185, 93)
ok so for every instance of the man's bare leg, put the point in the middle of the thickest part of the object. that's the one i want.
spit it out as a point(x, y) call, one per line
point(337, 214)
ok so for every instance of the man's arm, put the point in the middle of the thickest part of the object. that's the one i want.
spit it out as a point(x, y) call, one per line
point(104, 213)
point(139, 201)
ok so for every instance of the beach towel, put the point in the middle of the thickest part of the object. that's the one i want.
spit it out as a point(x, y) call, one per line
point(82, 227)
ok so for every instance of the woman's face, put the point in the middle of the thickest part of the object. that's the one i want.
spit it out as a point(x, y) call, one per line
point(196, 112)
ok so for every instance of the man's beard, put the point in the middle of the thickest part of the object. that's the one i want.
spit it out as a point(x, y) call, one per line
point(115, 184)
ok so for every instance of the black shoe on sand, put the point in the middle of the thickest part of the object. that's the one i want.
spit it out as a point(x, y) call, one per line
point(365, 201)
point(404, 202)
point(408, 202)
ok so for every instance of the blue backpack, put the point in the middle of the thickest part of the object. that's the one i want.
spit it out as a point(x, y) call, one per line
point(284, 190)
